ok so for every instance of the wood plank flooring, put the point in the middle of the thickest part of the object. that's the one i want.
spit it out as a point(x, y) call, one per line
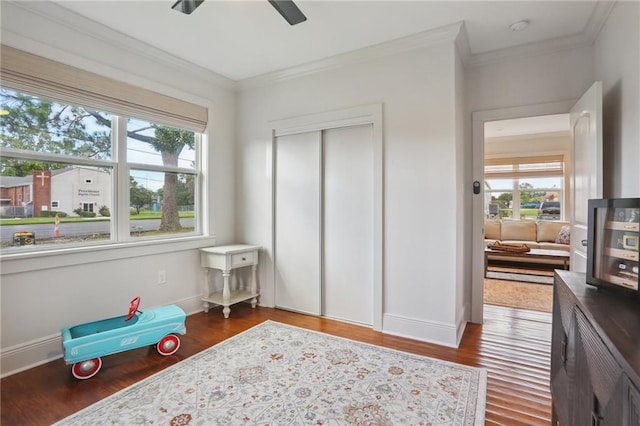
point(514, 345)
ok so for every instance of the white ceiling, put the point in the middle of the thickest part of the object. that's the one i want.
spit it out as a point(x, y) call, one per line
point(527, 126)
point(240, 39)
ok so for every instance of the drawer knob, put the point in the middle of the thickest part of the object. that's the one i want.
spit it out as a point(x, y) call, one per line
point(244, 258)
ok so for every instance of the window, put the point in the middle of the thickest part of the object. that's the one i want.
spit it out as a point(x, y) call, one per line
point(525, 187)
point(53, 150)
point(116, 158)
point(155, 155)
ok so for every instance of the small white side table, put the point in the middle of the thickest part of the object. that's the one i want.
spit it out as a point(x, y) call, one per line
point(226, 259)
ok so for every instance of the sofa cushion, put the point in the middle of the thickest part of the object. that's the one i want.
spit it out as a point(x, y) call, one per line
point(492, 229)
point(519, 230)
point(554, 246)
point(548, 230)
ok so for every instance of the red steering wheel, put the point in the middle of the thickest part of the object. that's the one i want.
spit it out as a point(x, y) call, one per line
point(133, 307)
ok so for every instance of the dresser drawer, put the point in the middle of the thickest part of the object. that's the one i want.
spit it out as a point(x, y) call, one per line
point(243, 259)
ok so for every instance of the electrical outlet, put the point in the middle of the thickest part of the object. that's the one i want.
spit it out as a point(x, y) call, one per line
point(162, 277)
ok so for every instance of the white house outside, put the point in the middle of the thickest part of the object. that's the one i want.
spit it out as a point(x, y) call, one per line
point(80, 187)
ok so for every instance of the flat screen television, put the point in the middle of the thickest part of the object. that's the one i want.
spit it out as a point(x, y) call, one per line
point(613, 243)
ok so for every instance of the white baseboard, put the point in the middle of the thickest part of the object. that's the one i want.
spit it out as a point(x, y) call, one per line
point(418, 329)
point(463, 318)
point(31, 354)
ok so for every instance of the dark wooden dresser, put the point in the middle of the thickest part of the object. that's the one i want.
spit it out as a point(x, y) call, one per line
point(595, 354)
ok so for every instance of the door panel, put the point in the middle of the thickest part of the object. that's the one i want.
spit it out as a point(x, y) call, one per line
point(348, 224)
point(297, 222)
point(586, 179)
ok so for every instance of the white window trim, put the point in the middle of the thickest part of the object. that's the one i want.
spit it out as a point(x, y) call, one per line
point(121, 245)
point(70, 256)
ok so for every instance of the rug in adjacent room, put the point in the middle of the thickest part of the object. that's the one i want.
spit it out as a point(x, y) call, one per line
point(279, 374)
point(536, 297)
point(522, 277)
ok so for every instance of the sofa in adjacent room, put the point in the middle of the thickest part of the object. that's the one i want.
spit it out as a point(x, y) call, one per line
point(546, 235)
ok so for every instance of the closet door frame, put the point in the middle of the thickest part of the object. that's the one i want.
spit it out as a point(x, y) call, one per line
point(361, 115)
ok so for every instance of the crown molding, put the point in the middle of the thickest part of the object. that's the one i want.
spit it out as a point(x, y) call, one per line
point(462, 45)
point(598, 18)
point(586, 38)
point(401, 45)
point(87, 28)
point(455, 32)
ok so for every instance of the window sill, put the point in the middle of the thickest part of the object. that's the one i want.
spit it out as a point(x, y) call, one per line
point(14, 263)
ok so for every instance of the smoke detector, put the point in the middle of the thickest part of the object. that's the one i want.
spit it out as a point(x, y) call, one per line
point(519, 26)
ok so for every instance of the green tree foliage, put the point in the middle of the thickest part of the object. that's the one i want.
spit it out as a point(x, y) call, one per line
point(504, 199)
point(139, 196)
point(39, 125)
point(527, 194)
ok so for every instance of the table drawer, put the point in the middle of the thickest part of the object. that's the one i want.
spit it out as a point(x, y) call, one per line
point(243, 259)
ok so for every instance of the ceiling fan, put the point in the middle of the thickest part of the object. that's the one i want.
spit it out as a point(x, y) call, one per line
point(286, 8)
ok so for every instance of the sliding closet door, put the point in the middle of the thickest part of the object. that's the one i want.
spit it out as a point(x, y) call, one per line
point(297, 222)
point(348, 224)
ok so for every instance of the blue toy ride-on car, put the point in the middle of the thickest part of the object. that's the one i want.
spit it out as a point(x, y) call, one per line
point(84, 344)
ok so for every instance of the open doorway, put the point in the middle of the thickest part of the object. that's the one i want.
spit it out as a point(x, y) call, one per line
point(526, 202)
point(586, 157)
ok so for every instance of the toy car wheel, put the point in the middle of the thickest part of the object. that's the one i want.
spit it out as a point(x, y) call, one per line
point(86, 369)
point(168, 345)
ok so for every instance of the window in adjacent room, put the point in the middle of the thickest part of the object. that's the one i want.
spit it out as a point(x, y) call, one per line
point(525, 187)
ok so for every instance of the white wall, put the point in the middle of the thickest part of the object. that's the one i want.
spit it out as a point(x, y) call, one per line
point(617, 64)
point(464, 210)
point(527, 145)
point(40, 295)
point(558, 76)
point(420, 90)
point(417, 90)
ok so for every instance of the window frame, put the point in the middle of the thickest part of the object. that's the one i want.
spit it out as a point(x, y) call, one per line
point(120, 223)
point(121, 244)
point(516, 176)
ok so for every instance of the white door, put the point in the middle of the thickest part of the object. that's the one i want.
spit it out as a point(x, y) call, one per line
point(348, 224)
point(586, 173)
point(297, 222)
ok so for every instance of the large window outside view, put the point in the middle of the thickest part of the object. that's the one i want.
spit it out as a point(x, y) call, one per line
point(59, 175)
point(524, 188)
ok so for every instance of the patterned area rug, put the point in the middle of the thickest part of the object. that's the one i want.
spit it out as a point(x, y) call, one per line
point(278, 374)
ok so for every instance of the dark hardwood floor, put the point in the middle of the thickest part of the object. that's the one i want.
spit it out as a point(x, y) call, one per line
point(513, 345)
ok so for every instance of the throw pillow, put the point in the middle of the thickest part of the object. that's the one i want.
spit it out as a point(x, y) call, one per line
point(564, 236)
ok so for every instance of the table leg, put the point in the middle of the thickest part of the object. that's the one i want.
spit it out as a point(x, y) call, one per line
point(254, 285)
point(205, 290)
point(486, 263)
point(226, 294)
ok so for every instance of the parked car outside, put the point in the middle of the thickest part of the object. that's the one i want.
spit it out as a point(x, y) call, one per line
point(549, 210)
point(530, 205)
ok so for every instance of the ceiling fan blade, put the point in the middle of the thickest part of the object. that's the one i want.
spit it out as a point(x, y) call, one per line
point(289, 11)
point(186, 6)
